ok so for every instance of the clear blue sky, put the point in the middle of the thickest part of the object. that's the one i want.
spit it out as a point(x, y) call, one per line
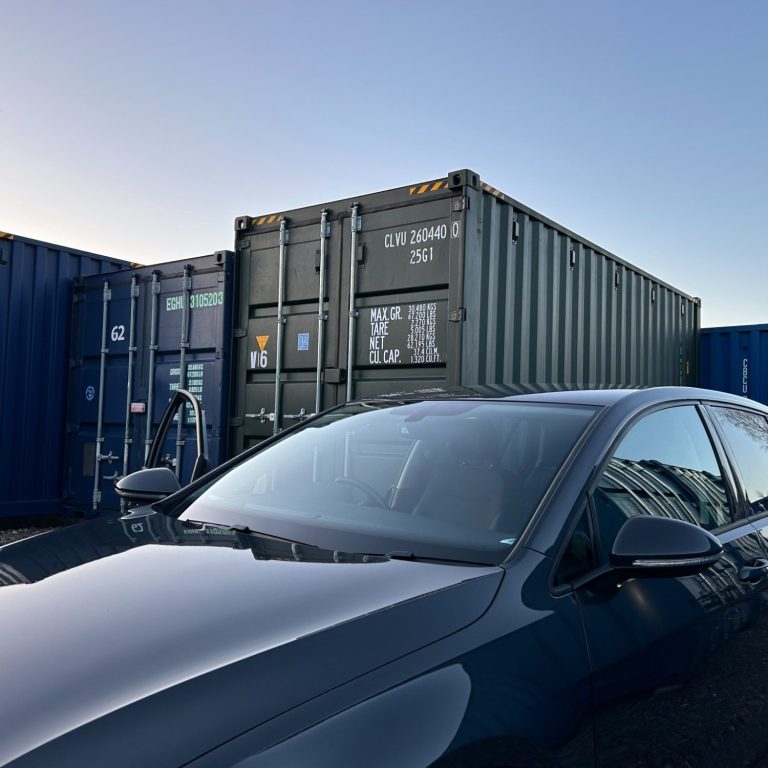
point(141, 129)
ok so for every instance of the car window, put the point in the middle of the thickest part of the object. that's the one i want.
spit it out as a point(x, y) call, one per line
point(747, 436)
point(665, 465)
point(417, 477)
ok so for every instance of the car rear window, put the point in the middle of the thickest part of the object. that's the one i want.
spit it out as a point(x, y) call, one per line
point(747, 435)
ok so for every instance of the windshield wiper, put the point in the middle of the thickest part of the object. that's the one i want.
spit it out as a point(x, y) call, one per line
point(203, 525)
point(244, 529)
point(398, 554)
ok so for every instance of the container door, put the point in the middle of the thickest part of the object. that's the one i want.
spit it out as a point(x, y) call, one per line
point(191, 355)
point(287, 347)
point(398, 267)
point(366, 290)
point(165, 327)
point(107, 324)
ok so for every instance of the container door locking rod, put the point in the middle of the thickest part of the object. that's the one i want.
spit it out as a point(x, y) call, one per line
point(96, 500)
point(152, 352)
point(131, 363)
point(280, 324)
point(322, 315)
point(355, 224)
point(186, 292)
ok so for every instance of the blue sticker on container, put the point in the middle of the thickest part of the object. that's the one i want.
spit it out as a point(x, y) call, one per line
point(90, 393)
point(303, 342)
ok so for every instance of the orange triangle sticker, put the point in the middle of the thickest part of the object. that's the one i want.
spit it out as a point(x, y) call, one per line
point(262, 341)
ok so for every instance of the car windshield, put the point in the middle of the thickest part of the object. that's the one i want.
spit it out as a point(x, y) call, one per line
point(445, 479)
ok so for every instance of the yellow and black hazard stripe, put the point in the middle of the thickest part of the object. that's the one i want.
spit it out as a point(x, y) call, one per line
point(429, 186)
point(6, 236)
point(492, 190)
point(269, 219)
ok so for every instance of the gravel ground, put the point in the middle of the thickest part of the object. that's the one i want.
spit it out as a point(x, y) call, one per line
point(14, 534)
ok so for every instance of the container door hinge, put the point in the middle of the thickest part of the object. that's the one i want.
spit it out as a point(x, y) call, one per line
point(236, 421)
point(461, 203)
point(334, 375)
point(458, 315)
point(239, 333)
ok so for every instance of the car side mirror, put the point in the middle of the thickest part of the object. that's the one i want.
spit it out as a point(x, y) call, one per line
point(648, 546)
point(147, 485)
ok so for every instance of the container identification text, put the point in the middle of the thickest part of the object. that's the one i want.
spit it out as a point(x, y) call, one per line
point(423, 243)
point(196, 301)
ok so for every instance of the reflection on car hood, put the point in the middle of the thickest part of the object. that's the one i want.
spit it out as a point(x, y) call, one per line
point(113, 613)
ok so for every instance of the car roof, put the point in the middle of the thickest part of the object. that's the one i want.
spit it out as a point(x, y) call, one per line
point(578, 396)
point(604, 397)
point(644, 396)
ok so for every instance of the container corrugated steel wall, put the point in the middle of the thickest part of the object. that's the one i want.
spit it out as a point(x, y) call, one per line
point(735, 359)
point(546, 307)
point(36, 280)
point(156, 297)
point(453, 284)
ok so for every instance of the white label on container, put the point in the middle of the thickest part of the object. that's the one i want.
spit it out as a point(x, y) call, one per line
point(404, 334)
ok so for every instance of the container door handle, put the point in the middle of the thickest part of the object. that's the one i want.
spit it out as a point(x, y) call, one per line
point(300, 416)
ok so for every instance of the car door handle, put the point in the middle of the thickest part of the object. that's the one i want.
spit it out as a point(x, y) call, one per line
point(754, 572)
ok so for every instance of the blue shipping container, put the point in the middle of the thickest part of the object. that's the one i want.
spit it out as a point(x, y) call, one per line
point(36, 281)
point(735, 359)
point(164, 326)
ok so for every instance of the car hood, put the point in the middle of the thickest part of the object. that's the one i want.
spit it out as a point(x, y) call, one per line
point(145, 614)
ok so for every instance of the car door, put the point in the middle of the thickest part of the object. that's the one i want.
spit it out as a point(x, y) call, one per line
point(674, 674)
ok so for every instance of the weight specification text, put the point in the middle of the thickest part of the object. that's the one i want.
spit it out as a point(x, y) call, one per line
point(422, 340)
point(403, 334)
point(194, 384)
